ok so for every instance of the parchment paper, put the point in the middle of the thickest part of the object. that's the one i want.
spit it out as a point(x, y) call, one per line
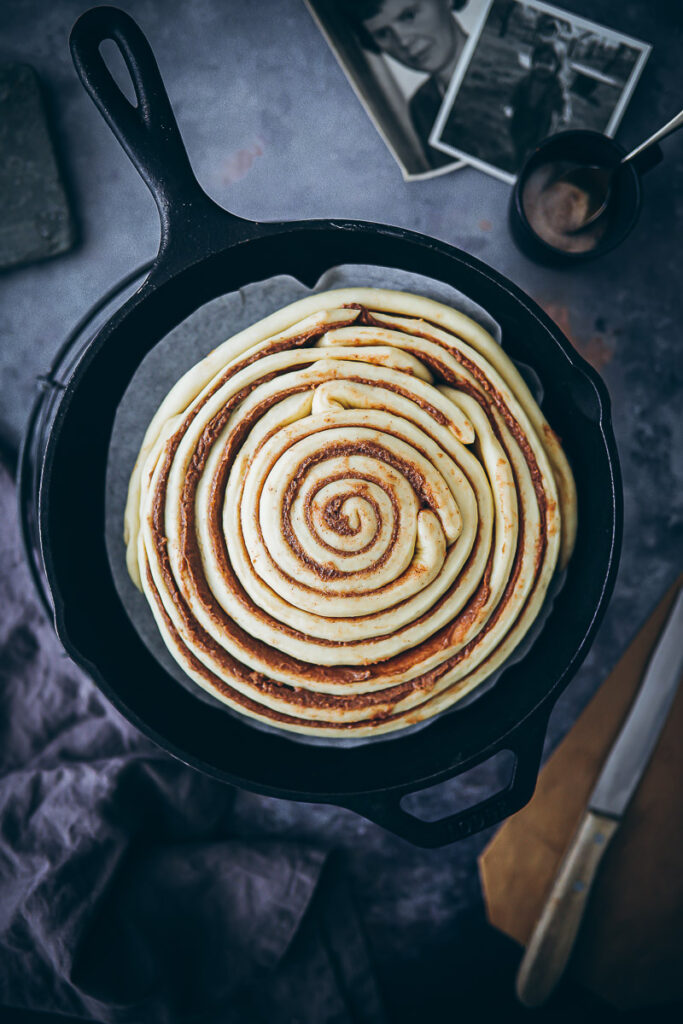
point(184, 346)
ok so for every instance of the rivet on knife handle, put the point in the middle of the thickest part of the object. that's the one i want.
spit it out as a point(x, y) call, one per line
point(553, 937)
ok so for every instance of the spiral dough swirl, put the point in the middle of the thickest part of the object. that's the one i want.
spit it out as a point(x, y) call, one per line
point(347, 516)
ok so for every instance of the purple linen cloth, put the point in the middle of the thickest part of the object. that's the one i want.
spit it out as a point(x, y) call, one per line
point(123, 895)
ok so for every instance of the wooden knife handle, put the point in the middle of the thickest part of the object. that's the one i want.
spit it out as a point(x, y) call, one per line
point(553, 937)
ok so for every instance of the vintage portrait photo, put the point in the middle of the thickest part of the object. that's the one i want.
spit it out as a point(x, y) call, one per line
point(533, 70)
point(400, 56)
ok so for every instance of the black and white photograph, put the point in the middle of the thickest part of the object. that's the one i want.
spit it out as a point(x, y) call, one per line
point(534, 70)
point(400, 57)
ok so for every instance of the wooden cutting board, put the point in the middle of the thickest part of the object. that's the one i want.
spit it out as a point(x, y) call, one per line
point(630, 947)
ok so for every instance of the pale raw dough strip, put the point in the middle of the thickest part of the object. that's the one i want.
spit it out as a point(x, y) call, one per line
point(386, 549)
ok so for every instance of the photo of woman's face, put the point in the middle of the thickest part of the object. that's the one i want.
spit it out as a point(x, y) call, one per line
point(419, 33)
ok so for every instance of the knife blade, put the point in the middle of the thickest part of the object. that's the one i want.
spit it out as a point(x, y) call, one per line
point(553, 937)
point(638, 737)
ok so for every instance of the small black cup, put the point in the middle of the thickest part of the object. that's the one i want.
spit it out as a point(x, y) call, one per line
point(588, 148)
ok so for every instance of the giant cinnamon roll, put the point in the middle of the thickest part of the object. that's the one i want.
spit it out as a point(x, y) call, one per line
point(347, 516)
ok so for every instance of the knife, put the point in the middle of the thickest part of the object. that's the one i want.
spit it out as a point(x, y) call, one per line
point(553, 937)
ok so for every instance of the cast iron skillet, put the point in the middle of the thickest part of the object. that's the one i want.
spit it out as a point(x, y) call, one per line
point(205, 252)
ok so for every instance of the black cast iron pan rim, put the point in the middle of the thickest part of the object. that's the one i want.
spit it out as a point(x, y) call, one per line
point(196, 231)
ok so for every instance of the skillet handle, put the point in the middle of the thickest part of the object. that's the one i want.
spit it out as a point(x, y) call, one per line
point(526, 743)
point(148, 132)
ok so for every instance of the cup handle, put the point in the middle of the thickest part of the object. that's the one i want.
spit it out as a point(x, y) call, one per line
point(647, 159)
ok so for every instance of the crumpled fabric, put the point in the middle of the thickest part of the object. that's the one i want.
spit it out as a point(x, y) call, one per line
point(124, 897)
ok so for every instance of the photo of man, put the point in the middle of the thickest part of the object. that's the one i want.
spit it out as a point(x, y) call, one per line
point(532, 70)
point(537, 102)
point(400, 56)
point(424, 35)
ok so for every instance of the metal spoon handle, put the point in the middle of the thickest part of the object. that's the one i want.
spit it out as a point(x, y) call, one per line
point(667, 129)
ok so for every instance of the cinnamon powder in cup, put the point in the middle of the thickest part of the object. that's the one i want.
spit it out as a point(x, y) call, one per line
point(555, 209)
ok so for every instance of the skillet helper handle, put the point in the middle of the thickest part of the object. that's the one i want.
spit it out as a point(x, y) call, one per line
point(553, 937)
point(148, 132)
point(526, 743)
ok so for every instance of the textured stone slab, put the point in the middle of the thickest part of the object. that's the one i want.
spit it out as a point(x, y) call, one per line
point(35, 220)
